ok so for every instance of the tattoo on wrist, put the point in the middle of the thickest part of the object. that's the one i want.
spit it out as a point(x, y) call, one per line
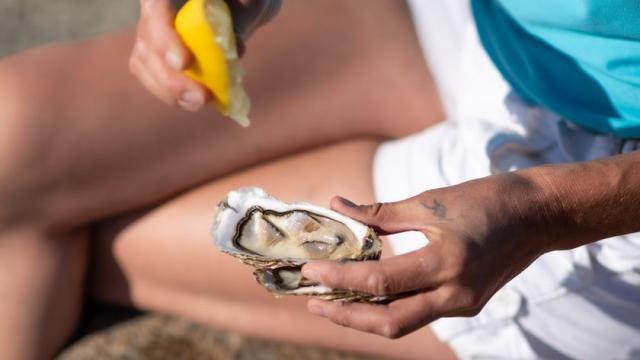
point(437, 209)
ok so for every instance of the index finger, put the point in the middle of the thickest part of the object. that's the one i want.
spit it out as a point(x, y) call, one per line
point(399, 274)
point(158, 30)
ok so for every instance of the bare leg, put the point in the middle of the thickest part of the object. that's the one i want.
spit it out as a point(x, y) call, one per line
point(94, 143)
point(41, 282)
point(80, 140)
point(164, 259)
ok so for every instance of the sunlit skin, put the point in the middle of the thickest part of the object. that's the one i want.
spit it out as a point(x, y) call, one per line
point(483, 233)
point(562, 199)
point(106, 192)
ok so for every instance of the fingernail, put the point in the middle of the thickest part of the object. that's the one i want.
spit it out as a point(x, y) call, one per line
point(191, 100)
point(309, 273)
point(316, 308)
point(173, 58)
point(348, 203)
point(140, 46)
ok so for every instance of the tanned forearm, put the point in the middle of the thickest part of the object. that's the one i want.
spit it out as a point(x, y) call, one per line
point(482, 233)
point(584, 202)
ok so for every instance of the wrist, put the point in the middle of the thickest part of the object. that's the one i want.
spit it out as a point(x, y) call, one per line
point(551, 203)
point(584, 202)
point(531, 209)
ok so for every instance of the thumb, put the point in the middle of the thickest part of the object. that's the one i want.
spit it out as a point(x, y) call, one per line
point(385, 218)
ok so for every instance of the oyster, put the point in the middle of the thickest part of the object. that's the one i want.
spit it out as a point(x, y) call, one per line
point(277, 238)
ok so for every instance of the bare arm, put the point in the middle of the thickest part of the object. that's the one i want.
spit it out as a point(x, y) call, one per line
point(592, 200)
point(482, 233)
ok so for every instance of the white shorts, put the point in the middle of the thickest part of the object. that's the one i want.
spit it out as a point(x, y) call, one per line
point(583, 303)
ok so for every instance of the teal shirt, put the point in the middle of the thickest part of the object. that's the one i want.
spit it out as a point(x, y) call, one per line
point(578, 58)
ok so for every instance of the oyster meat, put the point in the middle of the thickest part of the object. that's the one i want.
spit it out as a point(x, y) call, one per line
point(277, 238)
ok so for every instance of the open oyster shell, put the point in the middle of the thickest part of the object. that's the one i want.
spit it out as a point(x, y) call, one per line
point(277, 238)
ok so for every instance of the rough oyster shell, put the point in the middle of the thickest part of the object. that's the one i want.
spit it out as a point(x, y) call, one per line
point(277, 238)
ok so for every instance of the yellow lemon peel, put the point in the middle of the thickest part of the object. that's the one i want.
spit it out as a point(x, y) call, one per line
point(206, 28)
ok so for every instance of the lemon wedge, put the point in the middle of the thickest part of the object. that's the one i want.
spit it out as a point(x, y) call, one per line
point(206, 28)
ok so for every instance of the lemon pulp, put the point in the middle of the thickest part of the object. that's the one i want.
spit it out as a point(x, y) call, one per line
point(206, 28)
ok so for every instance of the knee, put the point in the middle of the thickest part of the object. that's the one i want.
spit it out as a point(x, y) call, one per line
point(20, 152)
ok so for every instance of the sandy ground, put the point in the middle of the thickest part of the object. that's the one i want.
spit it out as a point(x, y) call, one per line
point(158, 337)
point(27, 23)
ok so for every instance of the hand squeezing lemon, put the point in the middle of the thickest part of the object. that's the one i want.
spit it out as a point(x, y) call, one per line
point(206, 28)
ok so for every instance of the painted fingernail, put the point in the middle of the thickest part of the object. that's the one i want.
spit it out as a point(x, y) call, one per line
point(348, 203)
point(191, 100)
point(173, 58)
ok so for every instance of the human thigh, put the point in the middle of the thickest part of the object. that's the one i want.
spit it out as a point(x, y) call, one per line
point(164, 259)
point(88, 142)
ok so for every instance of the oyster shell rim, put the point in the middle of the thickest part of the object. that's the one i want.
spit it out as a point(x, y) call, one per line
point(258, 195)
point(243, 201)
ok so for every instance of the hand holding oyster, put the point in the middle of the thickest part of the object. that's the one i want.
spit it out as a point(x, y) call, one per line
point(277, 238)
